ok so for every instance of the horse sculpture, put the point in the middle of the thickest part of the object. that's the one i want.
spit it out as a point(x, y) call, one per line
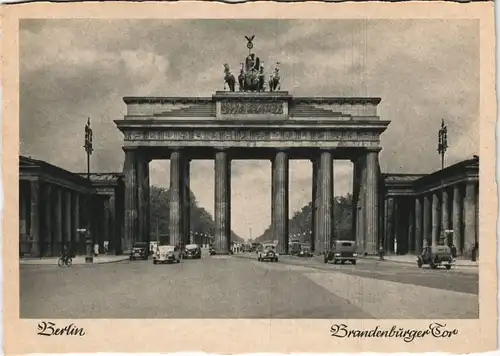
point(274, 81)
point(241, 78)
point(229, 78)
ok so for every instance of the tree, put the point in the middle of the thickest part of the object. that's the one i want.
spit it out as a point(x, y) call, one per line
point(201, 220)
point(301, 222)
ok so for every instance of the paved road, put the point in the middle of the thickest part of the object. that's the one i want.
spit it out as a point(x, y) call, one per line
point(461, 279)
point(240, 287)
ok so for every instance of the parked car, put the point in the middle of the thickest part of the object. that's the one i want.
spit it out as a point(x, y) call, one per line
point(192, 251)
point(342, 251)
point(167, 253)
point(140, 250)
point(434, 256)
point(267, 252)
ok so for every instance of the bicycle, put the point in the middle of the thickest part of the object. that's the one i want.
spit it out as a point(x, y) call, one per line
point(64, 261)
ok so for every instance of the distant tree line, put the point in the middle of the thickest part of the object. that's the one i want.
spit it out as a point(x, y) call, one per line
point(201, 220)
point(300, 225)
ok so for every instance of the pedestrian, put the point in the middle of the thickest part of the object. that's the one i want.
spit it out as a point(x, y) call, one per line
point(453, 250)
point(381, 251)
point(96, 250)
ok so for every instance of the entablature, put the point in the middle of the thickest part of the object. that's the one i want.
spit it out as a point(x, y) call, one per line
point(315, 134)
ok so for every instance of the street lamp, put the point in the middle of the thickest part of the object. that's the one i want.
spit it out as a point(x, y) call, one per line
point(442, 142)
point(442, 148)
point(88, 149)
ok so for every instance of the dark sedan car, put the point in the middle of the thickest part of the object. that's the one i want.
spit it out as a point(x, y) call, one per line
point(192, 251)
point(342, 251)
point(140, 250)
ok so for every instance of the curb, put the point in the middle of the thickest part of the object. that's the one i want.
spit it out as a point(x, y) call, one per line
point(74, 264)
point(414, 263)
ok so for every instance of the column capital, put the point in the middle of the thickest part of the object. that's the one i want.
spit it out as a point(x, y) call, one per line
point(130, 149)
point(279, 149)
point(175, 148)
point(221, 149)
point(372, 150)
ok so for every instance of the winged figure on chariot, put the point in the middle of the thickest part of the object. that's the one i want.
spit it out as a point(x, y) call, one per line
point(251, 76)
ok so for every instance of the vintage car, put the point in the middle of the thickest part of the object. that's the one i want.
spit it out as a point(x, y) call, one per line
point(140, 250)
point(437, 255)
point(342, 251)
point(305, 250)
point(294, 248)
point(267, 252)
point(192, 251)
point(256, 246)
point(167, 253)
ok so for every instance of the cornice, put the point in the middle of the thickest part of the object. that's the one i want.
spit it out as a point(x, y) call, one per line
point(167, 99)
point(194, 125)
point(337, 100)
point(251, 96)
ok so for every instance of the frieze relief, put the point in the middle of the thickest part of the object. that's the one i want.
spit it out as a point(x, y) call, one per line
point(250, 135)
point(251, 108)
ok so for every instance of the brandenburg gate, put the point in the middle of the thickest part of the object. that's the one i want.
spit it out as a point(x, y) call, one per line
point(253, 123)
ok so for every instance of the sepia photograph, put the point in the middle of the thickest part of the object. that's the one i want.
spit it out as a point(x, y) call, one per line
point(302, 181)
point(282, 169)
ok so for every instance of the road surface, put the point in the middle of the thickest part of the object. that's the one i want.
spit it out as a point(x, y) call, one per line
point(241, 287)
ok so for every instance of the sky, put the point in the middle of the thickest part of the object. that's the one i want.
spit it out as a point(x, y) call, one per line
point(424, 71)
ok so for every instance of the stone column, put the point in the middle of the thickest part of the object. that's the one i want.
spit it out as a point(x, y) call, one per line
point(106, 223)
point(427, 229)
point(445, 212)
point(23, 211)
point(67, 218)
point(477, 219)
point(325, 188)
point(280, 190)
point(35, 218)
point(48, 231)
point(131, 216)
point(389, 237)
point(141, 208)
point(371, 203)
point(361, 204)
point(75, 213)
point(175, 218)
point(410, 248)
point(143, 198)
point(113, 229)
point(58, 222)
point(397, 225)
point(418, 225)
point(313, 203)
point(457, 217)
point(316, 236)
point(469, 217)
point(222, 202)
point(435, 219)
point(186, 198)
point(86, 209)
point(355, 196)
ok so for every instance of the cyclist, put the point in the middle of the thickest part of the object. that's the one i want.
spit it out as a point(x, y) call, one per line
point(65, 254)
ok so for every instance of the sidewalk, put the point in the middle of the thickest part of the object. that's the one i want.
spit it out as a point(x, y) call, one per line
point(78, 260)
point(412, 259)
